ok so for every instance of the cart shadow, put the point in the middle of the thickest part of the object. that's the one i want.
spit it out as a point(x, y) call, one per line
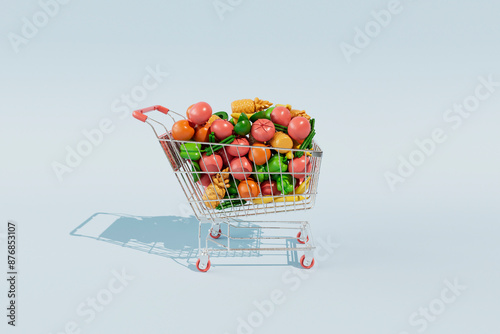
point(172, 237)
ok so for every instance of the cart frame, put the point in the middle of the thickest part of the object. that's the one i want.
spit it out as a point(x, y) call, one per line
point(207, 210)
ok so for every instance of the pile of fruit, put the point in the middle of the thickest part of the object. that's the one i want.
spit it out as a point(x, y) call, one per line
point(259, 160)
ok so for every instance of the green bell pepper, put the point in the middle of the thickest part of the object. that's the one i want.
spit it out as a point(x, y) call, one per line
point(233, 188)
point(278, 163)
point(243, 126)
point(196, 168)
point(222, 115)
point(261, 173)
point(262, 114)
point(190, 151)
point(286, 184)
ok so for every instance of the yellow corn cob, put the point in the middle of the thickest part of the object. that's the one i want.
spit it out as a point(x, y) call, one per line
point(212, 119)
point(295, 113)
point(249, 106)
point(289, 107)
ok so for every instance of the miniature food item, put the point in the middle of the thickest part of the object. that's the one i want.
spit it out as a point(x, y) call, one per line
point(199, 112)
point(222, 128)
point(263, 130)
point(181, 130)
point(299, 128)
point(281, 116)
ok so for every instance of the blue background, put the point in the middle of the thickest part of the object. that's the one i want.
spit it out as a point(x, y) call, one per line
point(395, 248)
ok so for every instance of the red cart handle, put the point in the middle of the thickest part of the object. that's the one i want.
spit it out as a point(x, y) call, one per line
point(139, 114)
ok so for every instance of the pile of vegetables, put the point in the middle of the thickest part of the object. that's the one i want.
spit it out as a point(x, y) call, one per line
point(258, 161)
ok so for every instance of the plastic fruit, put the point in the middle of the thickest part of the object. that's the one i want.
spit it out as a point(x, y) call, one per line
point(282, 140)
point(299, 128)
point(202, 133)
point(191, 151)
point(259, 155)
point(238, 151)
point(222, 129)
point(199, 112)
point(222, 114)
point(263, 130)
point(281, 116)
point(181, 130)
point(240, 168)
point(211, 164)
point(299, 166)
point(226, 157)
point(248, 188)
point(205, 180)
point(269, 188)
point(243, 125)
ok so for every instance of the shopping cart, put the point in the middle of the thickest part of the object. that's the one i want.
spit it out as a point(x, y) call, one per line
point(224, 212)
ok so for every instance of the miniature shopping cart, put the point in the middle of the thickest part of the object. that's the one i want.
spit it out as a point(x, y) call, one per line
point(222, 214)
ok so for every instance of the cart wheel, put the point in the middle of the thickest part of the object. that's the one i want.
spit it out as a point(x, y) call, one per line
point(298, 238)
point(205, 269)
point(302, 259)
point(216, 236)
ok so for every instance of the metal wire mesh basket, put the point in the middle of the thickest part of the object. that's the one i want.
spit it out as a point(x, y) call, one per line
point(253, 205)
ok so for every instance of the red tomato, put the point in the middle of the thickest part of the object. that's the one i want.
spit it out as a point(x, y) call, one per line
point(299, 166)
point(226, 157)
point(222, 128)
point(240, 168)
point(199, 112)
point(263, 130)
point(269, 188)
point(281, 116)
point(181, 130)
point(205, 180)
point(238, 151)
point(211, 164)
point(299, 128)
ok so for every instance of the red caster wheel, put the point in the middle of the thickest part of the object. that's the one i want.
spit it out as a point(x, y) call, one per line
point(302, 259)
point(200, 269)
point(215, 236)
point(298, 238)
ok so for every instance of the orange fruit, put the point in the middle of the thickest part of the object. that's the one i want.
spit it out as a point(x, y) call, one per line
point(181, 130)
point(248, 188)
point(260, 155)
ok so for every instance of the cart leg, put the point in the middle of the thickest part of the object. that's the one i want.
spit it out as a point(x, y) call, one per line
point(307, 260)
point(203, 263)
point(215, 230)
